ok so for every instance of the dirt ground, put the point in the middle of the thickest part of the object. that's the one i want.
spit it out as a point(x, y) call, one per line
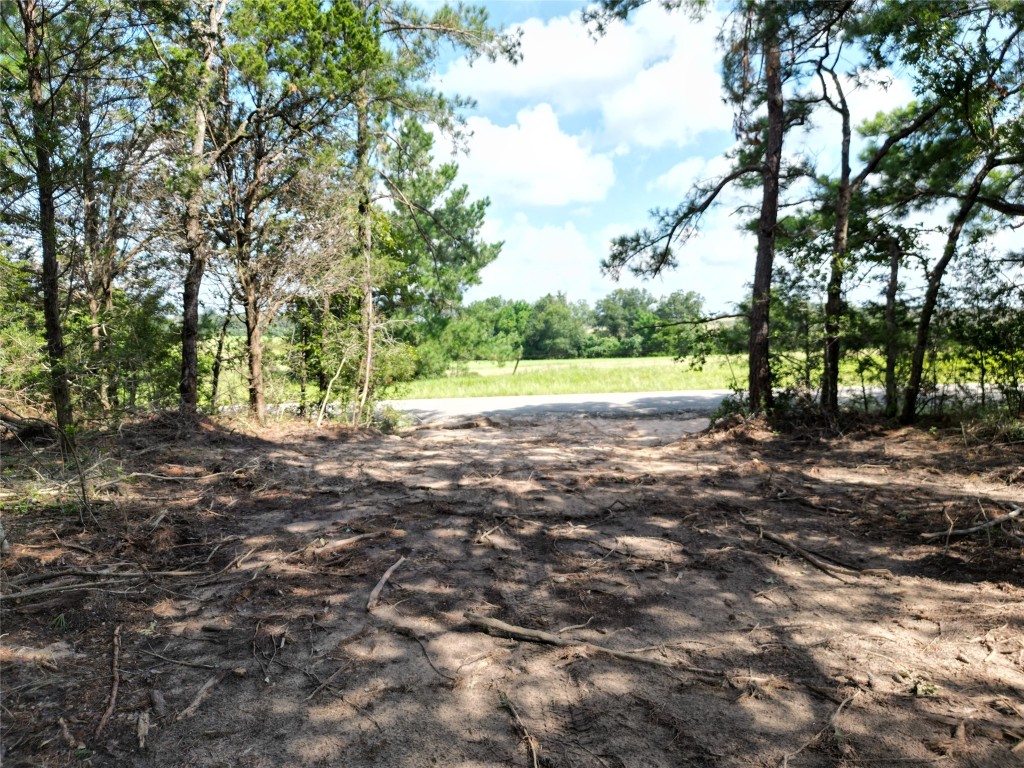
point(736, 597)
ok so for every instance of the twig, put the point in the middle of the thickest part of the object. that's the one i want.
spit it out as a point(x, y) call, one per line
point(76, 586)
point(192, 708)
point(327, 682)
point(822, 732)
point(576, 626)
point(530, 741)
point(1014, 512)
point(375, 593)
point(409, 632)
point(333, 546)
point(538, 636)
point(194, 664)
point(113, 687)
point(479, 539)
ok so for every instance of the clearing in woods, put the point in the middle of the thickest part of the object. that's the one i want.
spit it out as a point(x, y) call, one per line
point(731, 598)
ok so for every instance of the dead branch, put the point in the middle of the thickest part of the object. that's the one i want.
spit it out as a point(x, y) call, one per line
point(193, 664)
point(204, 691)
point(836, 571)
point(333, 546)
point(74, 587)
point(822, 732)
point(531, 742)
point(327, 682)
point(538, 636)
point(375, 593)
point(37, 577)
point(116, 672)
point(1014, 512)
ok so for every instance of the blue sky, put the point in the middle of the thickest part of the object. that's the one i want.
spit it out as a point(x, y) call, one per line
point(579, 141)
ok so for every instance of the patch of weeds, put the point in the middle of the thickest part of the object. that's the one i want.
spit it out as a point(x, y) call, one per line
point(735, 404)
point(59, 623)
point(389, 420)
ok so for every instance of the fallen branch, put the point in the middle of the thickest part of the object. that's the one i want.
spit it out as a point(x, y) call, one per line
point(114, 685)
point(194, 664)
point(531, 742)
point(836, 571)
point(375, 593)
point(327, 682)
point(333, 546)
point(1015, 512)
point(538, 636)
point(822, 732)
point(37, 577)
point(192, 708)
point(73, 587)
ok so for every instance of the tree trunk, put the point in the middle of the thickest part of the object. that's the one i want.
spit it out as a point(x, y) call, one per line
point(931, 296)
point(218, 359)
point(43, 141)
point(760, 362)
point(196, 245)
point(837, 269)
point(891, 331)
point(363, 181)
point(254, 345)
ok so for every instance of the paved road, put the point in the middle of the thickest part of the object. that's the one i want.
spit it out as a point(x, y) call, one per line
point(616, 405)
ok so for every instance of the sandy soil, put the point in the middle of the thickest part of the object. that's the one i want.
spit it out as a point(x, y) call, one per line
point(769, 597)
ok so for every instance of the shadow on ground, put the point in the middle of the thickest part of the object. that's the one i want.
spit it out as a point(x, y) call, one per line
point(244, 637)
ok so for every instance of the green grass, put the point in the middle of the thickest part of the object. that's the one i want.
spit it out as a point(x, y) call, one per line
point(568, 377)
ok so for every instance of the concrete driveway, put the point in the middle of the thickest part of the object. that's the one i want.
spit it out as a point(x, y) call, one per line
point(610, 405)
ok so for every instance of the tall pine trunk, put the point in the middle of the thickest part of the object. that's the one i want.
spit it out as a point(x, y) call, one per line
point(837, 270)
point(365, 225)
point(196, 244)
point(43, 139)
point(891, 329)
point(254, 345)
point(760, 362)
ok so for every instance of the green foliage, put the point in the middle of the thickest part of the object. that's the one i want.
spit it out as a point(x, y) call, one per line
point(433, 240)
point(556, 329)
point(23, 369)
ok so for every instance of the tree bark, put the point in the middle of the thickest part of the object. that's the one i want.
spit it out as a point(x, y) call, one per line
point(931, 296)
point(43, 142)
point(254, 344)
point(363, 182)
point(837, 269)
point(891, 330)
point(760, 381)
point(196, 245)
point(218, 359)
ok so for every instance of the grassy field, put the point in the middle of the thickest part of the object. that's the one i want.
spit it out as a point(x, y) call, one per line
point(567, 377)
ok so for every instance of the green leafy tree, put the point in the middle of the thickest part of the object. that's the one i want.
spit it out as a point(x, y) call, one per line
point(766, 46)
point(434, 240)
point(285, 84)
point(556, 329)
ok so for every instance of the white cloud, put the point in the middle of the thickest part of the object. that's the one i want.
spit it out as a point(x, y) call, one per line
point(539, 260)
point(562, 64)
point(533, 162)
point(680, 178)
point(653, 79)
point(672, 101)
